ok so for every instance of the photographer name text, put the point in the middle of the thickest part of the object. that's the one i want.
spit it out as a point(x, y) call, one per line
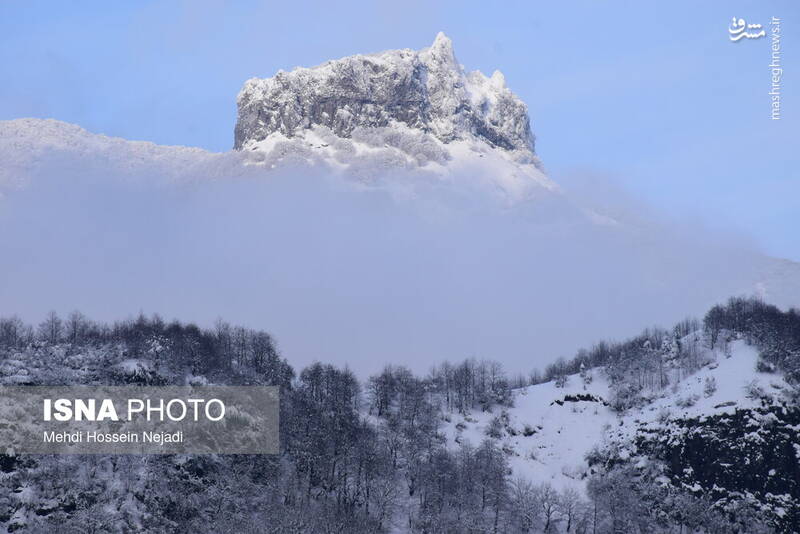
point(91, 436)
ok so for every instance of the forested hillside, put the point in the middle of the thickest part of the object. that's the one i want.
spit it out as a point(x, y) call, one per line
point(657, 433)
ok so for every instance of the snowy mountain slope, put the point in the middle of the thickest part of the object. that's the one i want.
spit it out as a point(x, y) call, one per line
point(733, 374)
point(550, 431)
point(547, 438)
point(29, 146)
point(729, 436)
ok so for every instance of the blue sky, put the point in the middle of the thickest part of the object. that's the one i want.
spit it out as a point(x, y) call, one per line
point(651, 97)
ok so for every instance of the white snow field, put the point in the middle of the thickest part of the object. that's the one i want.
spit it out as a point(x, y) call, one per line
point(563, 432)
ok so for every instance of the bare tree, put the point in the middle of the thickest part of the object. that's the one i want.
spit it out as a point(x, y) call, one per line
point(568, 505)
point(547, 499)
point(523, 504)
point(76, 327)
point(51, 329)
point(12, 331)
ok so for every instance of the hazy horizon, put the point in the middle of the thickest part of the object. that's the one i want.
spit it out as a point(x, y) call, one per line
point(408, 270)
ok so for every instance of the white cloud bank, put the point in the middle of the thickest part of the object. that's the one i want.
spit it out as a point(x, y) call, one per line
point(415, 266)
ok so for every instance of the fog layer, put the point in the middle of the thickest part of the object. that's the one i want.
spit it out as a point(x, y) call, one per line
point(351, 272)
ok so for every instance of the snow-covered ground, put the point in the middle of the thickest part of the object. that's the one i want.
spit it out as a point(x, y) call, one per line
point(563, 432)
point(732, 375)
point(559, 433)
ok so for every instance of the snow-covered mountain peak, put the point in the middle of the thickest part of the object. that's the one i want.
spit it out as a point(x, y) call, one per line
point(426, 90)
point(442, 48)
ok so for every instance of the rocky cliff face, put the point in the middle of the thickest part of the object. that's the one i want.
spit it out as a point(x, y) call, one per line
point(426, 90)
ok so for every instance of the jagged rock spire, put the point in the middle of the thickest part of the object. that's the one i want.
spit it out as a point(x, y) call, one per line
point(427, 90)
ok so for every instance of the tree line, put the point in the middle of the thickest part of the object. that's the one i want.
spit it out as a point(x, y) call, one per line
point(355, 457)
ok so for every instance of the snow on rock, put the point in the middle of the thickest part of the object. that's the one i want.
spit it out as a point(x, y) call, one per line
point(426, 90)
point(400, 109)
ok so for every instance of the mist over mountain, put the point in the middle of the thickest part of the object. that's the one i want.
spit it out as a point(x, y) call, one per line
point(386, 207)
